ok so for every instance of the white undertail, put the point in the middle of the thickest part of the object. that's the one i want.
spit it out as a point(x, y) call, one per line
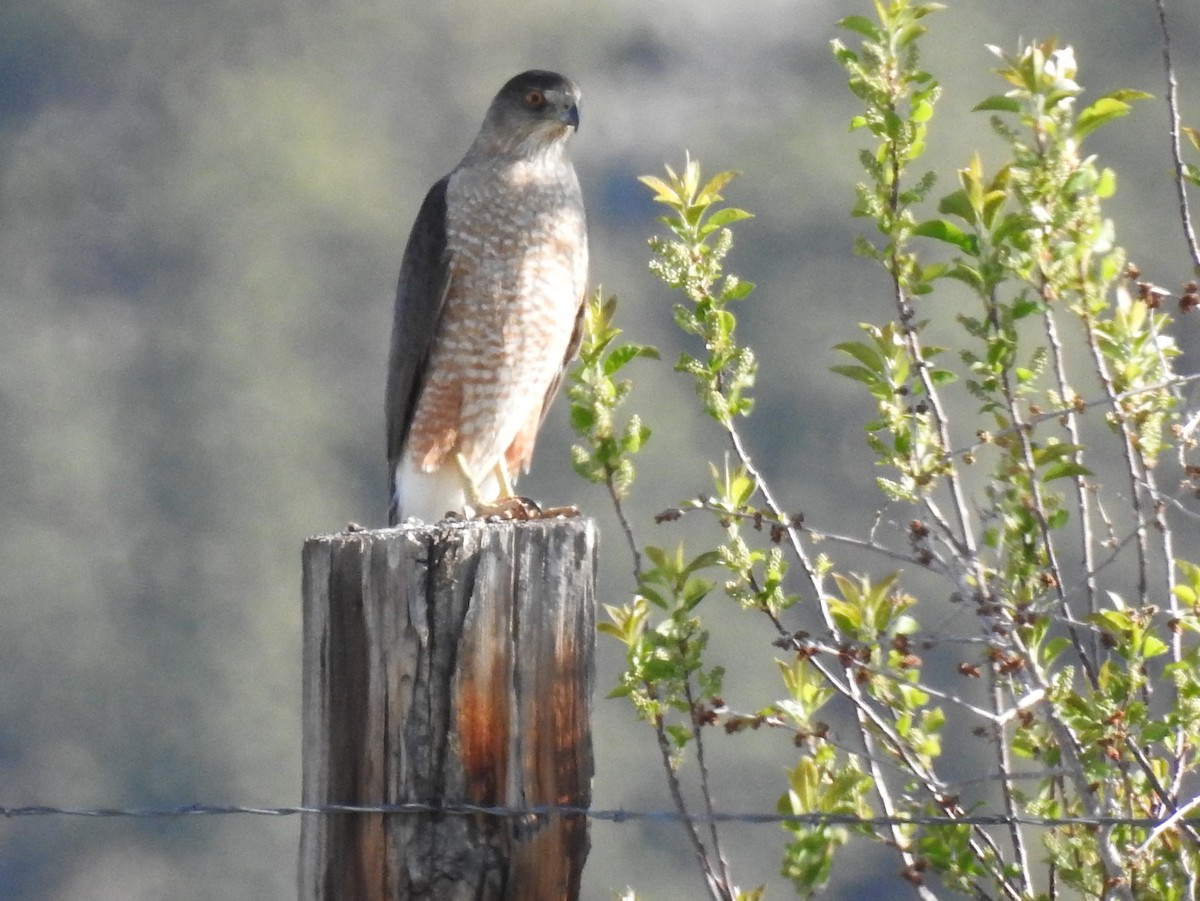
point(429, 496)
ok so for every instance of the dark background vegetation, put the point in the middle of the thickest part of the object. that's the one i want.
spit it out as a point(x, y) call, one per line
point(202, 208)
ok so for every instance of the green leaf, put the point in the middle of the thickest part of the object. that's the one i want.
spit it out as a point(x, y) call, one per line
point(1056, 451)
point(957, 203)
point(739, 291)
point(1153, 646)
point(658, 557)
point(703, 561)
point(1127, 94)
point(863, 353)
point(895, 490)
point(992, 202)
point(1068, 469)
point(711, 192)
point(998, 103)
point(1115, 622)
point(664, 193)
point(847, 617)
point(942, 230)
point(1156, 731)
point(726, 216)
point(695, 591)
point(1011, 225)
point(653, 597)
point(942, 376)
point(1054, 647)
point(582, 418)
point(860, 24)
point(1102, 111)
point(858, 373)
point(610, 629)
point(967, 275)
point(617, 360)
point(1026, 306)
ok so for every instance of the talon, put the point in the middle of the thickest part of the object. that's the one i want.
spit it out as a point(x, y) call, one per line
point(568, 512)
point(506, 509)
point(520, 509)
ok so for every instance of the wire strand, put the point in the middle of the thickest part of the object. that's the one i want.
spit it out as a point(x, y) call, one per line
point(617, 815)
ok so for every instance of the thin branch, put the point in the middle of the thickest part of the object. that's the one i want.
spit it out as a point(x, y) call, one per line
point(1170, 822)
point(717, 888)
point(852, 691)
point(1016, 836)
point(634, 552)
point(1082, 497)
point(1185, 216)
point(705, 787)
point(1109, 400)
point(816, 534)
point(1022, 431)
point(1174, 502)
point(982, 843)
point(1168, 548)
point(992, 716)
point(1131, 457)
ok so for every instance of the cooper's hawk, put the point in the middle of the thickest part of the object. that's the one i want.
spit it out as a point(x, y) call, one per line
point(488, 306)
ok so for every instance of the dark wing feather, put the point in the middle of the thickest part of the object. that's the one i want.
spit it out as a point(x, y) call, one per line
point(420, 294)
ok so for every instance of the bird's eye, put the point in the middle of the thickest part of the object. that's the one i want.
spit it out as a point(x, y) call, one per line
point(535, 99)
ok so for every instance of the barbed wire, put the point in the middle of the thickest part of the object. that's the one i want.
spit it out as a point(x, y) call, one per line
point(618, 815)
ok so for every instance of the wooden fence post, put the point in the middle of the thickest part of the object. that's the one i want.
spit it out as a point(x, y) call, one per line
point(447, 664)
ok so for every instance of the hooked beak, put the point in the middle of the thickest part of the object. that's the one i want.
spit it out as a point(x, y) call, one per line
point(570, 116)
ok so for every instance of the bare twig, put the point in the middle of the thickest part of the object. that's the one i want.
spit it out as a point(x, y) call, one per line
point(706, 787)
point(852, 690)
point(1082, 496)
point(1004, 762)
point(634, 552)
point(718, 888)
point(1108, 400)
point(1132, 467)
point(1170, 822)
point(981, 843)
point(992, 716)
point(1185, 216)
point(1039, 512)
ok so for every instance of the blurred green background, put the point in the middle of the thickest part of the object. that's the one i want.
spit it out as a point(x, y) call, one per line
point(202, 209)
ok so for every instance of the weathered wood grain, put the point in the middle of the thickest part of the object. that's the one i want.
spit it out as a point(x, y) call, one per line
point(446, 664)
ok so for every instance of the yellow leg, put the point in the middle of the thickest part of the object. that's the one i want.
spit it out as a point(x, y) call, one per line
point(507, 505)
point(501, 472)
point(506, 487)
point(465, 472)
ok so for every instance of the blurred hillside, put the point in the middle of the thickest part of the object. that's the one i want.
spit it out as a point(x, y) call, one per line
point(202, 209)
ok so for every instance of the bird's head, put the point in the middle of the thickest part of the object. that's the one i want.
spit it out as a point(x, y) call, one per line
point(534, 112)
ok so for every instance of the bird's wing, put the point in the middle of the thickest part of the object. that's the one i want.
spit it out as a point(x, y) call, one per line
point(572, 350)
point(420, 296)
